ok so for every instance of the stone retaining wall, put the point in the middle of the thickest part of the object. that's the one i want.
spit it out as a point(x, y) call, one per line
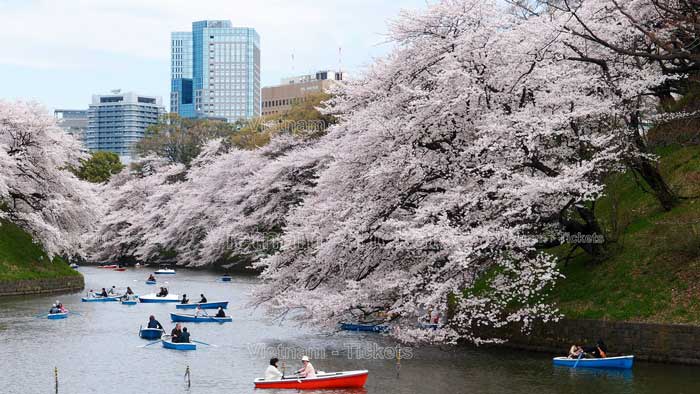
point(42, 286)
point(672, 343)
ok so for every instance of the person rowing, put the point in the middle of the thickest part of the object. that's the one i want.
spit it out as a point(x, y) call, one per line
point(272, 372)
point(307, 371)
point(598, 351)
point(175, 333)
point(184, 299)
point(163, 292)
point(153, 323)
point(220, 312)
point(54, 309)
point(60, 307)
point(200, 312)
point(151, 278)
point(104, 293)
point(203, 300)
point(113, 290)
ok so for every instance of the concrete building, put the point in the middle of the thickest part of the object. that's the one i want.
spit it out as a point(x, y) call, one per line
point(215, 71)
point(277, 99)
point(73, 122)
point(118, 120)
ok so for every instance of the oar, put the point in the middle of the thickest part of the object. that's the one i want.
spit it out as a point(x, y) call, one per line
point(41, 315)
point(203, 343)
point(578, 359)
point(74, 313)
point(152, 343)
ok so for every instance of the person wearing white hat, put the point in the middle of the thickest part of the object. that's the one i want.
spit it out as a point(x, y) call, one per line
point(308, 370)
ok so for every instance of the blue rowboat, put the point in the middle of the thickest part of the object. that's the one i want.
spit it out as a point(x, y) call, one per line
point(226, 278)
point(129, 302)
point(428, 326)
point(151, 298)
point(206, 305)
point(179, 346)
point(201, 319)
point(100, 299)
point(56, 316)
point(165, 271)
point(622, 362)
point(364, 327)
point(150, 282)
point(150, 333)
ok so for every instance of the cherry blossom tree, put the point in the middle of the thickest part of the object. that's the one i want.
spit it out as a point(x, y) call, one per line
point(37, 190)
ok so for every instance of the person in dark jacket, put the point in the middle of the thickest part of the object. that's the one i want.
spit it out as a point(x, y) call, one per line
point(184, 299)
point(104, 293)
point(184, 337)
point(220, 312)
point(203, 300)
point(153, 323)
point(176, 333)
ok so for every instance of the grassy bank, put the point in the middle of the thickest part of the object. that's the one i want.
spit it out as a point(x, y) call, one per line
point(20, 258)
point(652, 273)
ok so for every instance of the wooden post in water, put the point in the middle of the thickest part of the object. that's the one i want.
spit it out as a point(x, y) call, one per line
point(55, 374)
point(187, 377)
point(398, 361)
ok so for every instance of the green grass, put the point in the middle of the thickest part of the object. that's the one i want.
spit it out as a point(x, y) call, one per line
point(20, 258)
point(652, 272)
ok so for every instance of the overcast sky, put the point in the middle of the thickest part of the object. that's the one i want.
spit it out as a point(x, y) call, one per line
point(60, 52)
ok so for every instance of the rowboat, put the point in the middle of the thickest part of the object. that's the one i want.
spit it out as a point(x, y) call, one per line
point(150, 333)
point(74, 266)
point(165, 271)
point(120, 269)
point(329, 380)
point(226, 278)
point(179, 346)
point(428, 326)
point(100, 299)
point(364, 327)
point(150, 282)
point(129, 302)
point(206, 305)
point(621, 362)
point(56, 316)
point(108, 266)
point(151, 298)
point(199, 319)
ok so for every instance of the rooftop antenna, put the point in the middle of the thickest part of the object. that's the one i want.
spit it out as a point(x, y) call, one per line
point(340, 62)
point(293, 64)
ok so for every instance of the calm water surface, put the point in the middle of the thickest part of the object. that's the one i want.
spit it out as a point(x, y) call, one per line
point(99, 351)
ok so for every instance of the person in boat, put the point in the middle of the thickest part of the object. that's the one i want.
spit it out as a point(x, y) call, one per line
point(163, 292)
point(272, 372)
point(203, 299)
point(104, 293)
point(307, 371)
point(60, 307)
point(153, 323)
point(113, 290)
point(176, 333)
point(434, 316)
point(151, 278)
point(220, 312)
point(54, 309)
point(129, 291)
point(184, 337)
point(598, 351)
point(184, 299)
point(200, 312)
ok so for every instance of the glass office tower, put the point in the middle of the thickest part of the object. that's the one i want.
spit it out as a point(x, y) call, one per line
point(215, 71)
point(117, 121)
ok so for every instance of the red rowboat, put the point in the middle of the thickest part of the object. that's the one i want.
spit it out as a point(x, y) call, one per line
point(120, 269)
point(327, 380)
point(108, 266)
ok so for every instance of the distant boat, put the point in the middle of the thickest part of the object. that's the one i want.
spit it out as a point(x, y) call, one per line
point(226, 278)
point(120, 269)
point(74, 266)
point(621, 362)
point(150, 333)
point(200, 319)
point(206, 305)
point(110, 266)
point(364, 327)
point(100, 299)
point(179, 346)
point(165, 271)
point(327, 380)
point(56, 316)
point(152, 298)
point(150, 282)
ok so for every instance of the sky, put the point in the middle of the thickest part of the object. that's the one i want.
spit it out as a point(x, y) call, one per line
point(60, 52)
